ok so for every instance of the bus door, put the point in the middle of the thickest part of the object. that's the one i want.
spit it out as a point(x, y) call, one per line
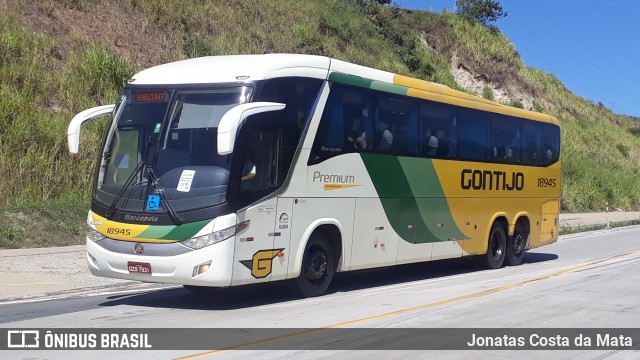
point(256, 250)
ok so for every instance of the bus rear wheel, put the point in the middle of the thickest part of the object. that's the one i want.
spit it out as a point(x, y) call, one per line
point(318, 267)
point(496, 247)
point(516, 247)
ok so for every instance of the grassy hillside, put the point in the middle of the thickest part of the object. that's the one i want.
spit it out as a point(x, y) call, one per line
point(58, 57)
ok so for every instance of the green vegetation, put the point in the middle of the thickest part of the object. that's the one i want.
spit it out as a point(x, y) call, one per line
point(480, 11)
point(601, 152)
point(52, 66)
point(487, 93)
point(488, 53)
point(58, 223)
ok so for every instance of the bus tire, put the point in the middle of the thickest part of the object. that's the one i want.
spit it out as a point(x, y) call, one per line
point(516, 247)
point(318, 267)
point(496, 247)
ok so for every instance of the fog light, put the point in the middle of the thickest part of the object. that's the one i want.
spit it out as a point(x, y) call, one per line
point(93, 261)
point(201, 269)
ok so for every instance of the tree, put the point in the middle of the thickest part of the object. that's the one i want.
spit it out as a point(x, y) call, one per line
point(480, 11)
point(381, 2)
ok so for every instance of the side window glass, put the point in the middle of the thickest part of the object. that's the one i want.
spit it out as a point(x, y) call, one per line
point(473, 135)
point(396, 124)
point(413, 132)
point(124, 156)
point(260, 170)
point(259, 174)
point(384, 125)
point(329, 138)
point(505, 140)
point(346, 124)
point(357, 120)
point(299, 95)
point(550, 144)
point(438, 137)
point(531, 143)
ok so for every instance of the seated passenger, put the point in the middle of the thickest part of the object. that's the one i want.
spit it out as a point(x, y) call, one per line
point(248, 171)
point(432, 145)
point(356, 138)
point(508, 153)
point(386, 138)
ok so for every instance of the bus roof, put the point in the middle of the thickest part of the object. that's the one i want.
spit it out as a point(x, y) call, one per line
point(233, 68)
point(239, 68)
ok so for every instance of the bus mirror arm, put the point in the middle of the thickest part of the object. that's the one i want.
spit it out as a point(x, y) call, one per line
point(73, 132)
point(232, 119)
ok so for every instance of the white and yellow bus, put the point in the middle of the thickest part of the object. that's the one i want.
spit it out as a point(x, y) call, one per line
point(229, 170)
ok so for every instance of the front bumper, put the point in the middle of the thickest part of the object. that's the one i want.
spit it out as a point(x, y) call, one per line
point(172, 269)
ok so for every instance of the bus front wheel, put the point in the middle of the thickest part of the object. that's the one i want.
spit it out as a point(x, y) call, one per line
point(318, 267)
point(516, 247)
point(496, 247)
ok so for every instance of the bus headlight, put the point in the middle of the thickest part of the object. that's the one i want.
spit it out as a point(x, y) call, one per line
point(94, 235)
point(215, 237)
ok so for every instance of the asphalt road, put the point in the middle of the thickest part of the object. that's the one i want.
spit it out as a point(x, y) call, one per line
point(54, 273)
point(582, 281)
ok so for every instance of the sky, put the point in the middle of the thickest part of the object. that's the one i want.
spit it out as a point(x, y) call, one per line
point(593, 47)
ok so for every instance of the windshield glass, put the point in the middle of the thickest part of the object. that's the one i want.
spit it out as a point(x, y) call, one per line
point(162, 147)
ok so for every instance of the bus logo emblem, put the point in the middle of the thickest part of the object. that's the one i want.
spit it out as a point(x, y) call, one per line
point(138, 248)
point(260, 264)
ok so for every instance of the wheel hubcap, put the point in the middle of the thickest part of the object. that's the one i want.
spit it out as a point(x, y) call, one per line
point(317, 266)
point(518, 245)
point(496, 249)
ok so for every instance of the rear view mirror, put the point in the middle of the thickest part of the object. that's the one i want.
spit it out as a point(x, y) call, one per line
point(231, 120)
point(73, 132)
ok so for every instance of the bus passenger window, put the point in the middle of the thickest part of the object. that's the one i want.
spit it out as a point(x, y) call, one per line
point(438, 137)
point(505, 140)
point(531, 143)
point(396, 125)
point(473, 135)
point(550, 143)
point(345, 125)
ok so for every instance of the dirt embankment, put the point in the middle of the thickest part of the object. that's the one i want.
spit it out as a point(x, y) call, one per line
point(117, 27)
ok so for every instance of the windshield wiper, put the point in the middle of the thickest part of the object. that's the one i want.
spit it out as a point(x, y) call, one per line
point(166, 203)
point(153, 181)
point(125, 186)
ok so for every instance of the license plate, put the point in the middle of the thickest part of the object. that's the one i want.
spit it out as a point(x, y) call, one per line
point(140, 268)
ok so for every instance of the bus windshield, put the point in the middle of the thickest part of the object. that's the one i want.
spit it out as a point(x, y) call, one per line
point(161, 151)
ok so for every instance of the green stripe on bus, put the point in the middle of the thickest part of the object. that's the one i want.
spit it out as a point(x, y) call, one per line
point(156, 232)
point(400, 206)
point(391, 88)
point(431, 199)
point(185, 231)
point(368, 83)
point(350, 79)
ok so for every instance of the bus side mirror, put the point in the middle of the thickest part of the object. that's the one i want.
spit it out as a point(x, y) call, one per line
point(73, 132)
point(231, 120)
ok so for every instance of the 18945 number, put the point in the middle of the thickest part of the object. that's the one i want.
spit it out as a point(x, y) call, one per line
point(547, 182)
point(118, 231)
